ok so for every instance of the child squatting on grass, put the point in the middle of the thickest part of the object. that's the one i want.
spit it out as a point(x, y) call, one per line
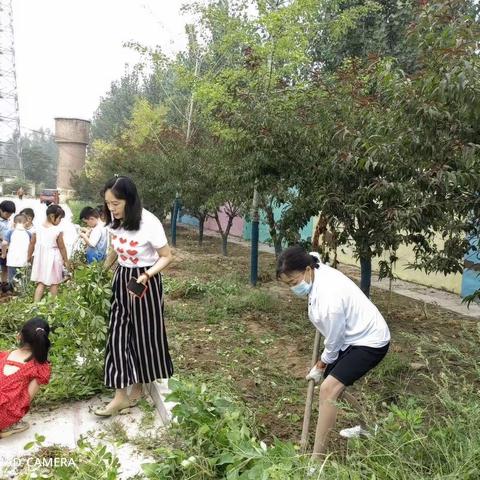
point(356, 335)
point(22, 371)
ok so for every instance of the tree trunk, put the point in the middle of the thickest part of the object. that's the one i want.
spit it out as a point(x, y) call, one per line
point(278, 246)
point(272, 228)
point(201, 225)
point(320, 229)
point(224, 234)
point(365, 273)
point(224, 245)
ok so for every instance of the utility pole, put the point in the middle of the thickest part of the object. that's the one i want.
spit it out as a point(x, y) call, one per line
point(10, 156)
point(255, 212)
point(254, 240)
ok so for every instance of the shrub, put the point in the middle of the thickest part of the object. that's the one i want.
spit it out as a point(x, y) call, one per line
point(78, 318)
point(87, 461)
point(215, 438)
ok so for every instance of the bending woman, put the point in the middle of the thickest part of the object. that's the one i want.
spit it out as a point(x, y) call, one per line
point(137, 347)
point(356, 335)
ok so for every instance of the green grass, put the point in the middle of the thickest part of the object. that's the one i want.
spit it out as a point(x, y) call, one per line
point(391, 367)
point(115, 432)
point(78, 322)
point(77, 205)
point(241, 355)
point(251, 300)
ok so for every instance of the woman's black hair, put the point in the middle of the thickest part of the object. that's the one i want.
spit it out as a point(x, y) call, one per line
point(295, 259)
point(55, 210)
point(34, 333)
point(124, 189)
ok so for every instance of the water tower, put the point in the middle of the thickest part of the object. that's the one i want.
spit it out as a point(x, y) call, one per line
point(71, 136)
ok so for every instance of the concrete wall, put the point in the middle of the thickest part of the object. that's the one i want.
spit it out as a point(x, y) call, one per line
point(237, 226)
point(243, 228)
point(188, 220)
point(211, 224)
point(471, 274)
point(451, 283)
point(264, 231)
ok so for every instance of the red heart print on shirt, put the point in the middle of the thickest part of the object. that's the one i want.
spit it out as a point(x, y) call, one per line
point(133, 244)
point(120, 250)
point(134, 260)
point(123, 240)
point(124, 258)
point(132, 253)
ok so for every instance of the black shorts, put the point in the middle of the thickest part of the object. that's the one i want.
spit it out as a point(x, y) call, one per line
point(354, 362)
point(3, 262)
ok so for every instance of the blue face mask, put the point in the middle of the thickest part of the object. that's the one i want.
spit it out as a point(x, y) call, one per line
point(302, 289)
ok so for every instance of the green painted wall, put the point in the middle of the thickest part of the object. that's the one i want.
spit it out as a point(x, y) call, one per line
point(264, 234)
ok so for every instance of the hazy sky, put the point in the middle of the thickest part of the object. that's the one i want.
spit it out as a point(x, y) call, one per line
point(69, 51)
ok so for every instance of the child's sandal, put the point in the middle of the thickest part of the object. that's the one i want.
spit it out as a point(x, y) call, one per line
point(18, 427)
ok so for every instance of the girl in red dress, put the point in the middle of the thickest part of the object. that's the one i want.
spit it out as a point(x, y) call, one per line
point(22, 371)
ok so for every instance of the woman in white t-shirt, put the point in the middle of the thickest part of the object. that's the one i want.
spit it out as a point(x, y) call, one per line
point(356, 335)
point(137, 347)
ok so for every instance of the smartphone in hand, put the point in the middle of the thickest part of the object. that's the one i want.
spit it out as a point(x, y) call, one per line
point(135, 288)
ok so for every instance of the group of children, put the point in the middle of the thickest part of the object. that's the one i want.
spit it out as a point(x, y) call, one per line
point(15, 242)
point(24, 369)
point(44, 247)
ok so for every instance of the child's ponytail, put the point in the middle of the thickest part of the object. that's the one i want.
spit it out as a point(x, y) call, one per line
point(35, 334)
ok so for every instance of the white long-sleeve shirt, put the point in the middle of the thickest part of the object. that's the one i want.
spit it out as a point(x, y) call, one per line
point(343, 314)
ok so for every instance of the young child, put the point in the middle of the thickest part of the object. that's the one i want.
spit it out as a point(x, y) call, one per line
point(7, 209)
point(22, 371)
point(101, 211)
point(50, 255)
point(17, 241)
point(95, 236)
point(103, 218)
point(29, 215)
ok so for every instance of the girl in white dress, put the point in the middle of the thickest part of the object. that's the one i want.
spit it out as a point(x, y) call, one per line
point(49, 252)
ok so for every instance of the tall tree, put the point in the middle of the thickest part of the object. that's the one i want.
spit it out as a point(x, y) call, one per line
point(115, 108)
point(39, 157)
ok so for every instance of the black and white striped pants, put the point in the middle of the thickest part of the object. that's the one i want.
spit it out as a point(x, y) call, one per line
point(137, 346)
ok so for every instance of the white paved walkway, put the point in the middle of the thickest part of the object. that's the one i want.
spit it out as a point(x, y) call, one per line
point(65, 425)
point(70, 232)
